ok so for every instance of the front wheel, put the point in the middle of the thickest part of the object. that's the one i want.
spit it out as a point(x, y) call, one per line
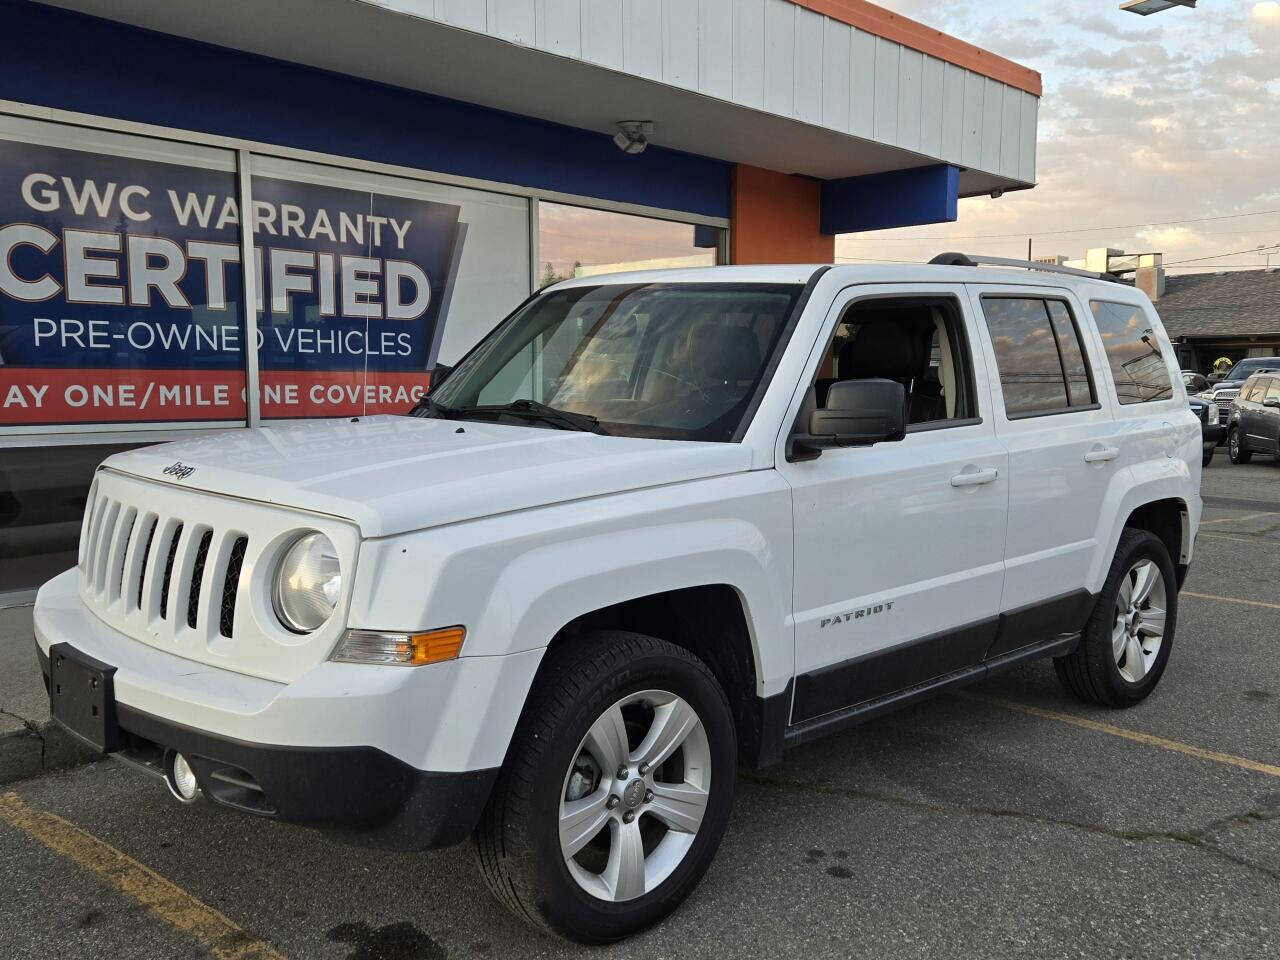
point(615, 792)
point(1207, 455)
point(1125, 645)
point(1236, 449)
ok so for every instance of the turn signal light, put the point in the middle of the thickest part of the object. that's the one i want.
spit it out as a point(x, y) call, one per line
point(403, 649)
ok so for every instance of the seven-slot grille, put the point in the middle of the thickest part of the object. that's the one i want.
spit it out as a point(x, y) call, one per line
point(187, 571)
point(137, 562)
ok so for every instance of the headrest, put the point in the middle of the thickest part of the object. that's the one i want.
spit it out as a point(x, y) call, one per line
point(880, 348)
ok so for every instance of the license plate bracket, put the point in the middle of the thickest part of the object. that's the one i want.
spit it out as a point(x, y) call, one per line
point(82, 697)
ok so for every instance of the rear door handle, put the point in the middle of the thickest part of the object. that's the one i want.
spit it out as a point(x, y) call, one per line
point(1101, 454)
point(972, 478)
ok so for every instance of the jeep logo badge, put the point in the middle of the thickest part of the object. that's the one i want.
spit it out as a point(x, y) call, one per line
point(179, 470)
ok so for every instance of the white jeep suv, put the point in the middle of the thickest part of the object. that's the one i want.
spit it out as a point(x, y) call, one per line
point(655, 526)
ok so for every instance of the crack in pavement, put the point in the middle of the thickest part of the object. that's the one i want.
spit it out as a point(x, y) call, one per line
point(1200, 839)
point(29, 725)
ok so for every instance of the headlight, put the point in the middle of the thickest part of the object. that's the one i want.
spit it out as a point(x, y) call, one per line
point(1212, 415)
point(308, 583)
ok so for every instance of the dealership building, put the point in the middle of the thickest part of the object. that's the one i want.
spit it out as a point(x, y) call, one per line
point(384, 180)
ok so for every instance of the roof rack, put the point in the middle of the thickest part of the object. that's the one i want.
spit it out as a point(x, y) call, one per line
point(974, 260)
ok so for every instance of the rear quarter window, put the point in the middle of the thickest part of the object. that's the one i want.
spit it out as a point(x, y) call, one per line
point(1138, 367)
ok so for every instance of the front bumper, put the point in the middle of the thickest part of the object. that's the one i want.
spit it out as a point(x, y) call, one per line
point(362, 793)
point(1215, 433)
point(395, 756)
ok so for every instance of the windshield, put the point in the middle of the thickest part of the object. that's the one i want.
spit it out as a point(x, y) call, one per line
point(1245, 367)
point(670, 360)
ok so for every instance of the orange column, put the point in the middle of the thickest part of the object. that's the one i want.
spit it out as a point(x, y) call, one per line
point(774, 219)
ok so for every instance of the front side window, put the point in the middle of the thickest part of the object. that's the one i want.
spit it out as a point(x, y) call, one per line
point(1137, 365)
point(1038, 353)
point(1273, 390)
point(919, 342)
point(678, 361)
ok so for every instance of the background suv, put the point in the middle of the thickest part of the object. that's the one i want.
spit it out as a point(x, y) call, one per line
point(1253, 424)
point(1228, 388)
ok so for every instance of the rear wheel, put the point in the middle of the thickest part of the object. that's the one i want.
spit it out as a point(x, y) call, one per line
point(1236, 449)
point(1125, 645)
point(616, 790)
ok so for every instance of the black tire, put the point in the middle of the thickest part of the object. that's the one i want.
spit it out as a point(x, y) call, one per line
point(1090, 672)
point(1207, 454)
point(1236, 448)
point(518, 840)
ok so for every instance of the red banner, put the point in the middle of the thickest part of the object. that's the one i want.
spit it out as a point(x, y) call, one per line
point(32, 396)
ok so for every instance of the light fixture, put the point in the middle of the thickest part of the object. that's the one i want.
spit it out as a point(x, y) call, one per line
point(308, 582)
point(633, 135)
point(1148, 7)
point(997, 193)
point(395, 648)
point(180, 777)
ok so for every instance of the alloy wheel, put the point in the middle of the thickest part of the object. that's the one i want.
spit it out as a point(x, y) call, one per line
point(1141, 609)
point(635, 795)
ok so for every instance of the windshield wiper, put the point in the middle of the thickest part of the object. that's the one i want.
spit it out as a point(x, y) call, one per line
point(564, 419)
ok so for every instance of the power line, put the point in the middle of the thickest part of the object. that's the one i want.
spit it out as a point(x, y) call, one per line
point(1050, 233)
point(1217, 256)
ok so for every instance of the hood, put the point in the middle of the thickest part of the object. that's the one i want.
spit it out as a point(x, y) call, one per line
point(393, 474)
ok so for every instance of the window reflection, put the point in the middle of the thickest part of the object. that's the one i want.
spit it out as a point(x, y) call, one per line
point(581, 242)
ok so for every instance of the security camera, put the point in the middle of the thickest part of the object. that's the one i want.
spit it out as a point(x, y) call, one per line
point(633, 135)
point(997, 194)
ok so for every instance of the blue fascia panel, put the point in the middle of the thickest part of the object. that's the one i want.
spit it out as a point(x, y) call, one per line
point(80, 63)
point(899, 198)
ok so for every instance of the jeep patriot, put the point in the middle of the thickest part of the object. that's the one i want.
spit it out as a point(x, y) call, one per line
point(653, 527)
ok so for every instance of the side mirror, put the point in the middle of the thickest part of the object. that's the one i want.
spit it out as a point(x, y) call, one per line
point(858, 413)
point(1271, 402)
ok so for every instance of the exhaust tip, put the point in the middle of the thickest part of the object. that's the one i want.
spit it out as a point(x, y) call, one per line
point(180, 777)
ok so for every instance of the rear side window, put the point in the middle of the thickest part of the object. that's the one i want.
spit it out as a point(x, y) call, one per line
point(1039, 355)
point(1137, 365)
point(1253, 390)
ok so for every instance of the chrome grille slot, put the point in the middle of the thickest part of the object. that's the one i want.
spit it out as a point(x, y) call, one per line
point(197, 578)
point(90, 511)
point(119, 551)
point(146, 552)
point(102, 548)
point(95, 536)
point(231, 588)
point(177, 569)
point(167, 577)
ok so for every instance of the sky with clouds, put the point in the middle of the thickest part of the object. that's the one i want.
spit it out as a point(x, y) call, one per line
point(1175, 116)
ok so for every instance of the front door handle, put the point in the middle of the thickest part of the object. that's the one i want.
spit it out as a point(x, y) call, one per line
point(1101, 454)
point(972, 478)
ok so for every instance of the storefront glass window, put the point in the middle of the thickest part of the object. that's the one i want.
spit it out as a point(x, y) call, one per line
point(120, 318)
point(577, 242)
point(358, 275)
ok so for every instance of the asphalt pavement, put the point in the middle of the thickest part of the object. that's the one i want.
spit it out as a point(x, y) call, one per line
point(1009, 820)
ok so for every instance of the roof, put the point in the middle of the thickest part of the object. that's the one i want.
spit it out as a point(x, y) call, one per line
point(823, 88)
point(1237, 303)
point(893, 26)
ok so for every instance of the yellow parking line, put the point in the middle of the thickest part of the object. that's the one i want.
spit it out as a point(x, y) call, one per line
point(1214, 596)
point(1223, 536)
point(165, 900)
point(1252, 516)
point(1136, 736)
